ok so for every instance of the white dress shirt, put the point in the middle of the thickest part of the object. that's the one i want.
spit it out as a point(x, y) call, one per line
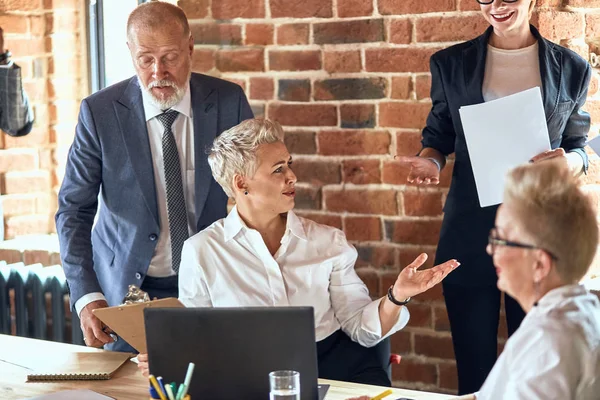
point(229, 265)
point(511, 71)
point(555, 353)
point(183, 130)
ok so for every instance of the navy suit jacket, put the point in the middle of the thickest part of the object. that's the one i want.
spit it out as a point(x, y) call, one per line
point(111, 156)
point(457, 79)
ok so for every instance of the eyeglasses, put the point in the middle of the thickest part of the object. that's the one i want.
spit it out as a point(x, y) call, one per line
point(494, 241)
point(486, 2)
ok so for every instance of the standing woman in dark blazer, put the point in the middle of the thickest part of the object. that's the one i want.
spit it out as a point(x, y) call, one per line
point(511, 56)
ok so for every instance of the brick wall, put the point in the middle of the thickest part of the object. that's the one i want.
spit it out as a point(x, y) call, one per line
point(349, 80)
point(46, 41)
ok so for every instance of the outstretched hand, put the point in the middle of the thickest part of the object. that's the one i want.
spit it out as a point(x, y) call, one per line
point(412, 282)
point(422, 170)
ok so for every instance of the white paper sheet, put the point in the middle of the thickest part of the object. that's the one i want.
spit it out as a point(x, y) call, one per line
point(81, 394)
point(502, 134)
point(595, 144)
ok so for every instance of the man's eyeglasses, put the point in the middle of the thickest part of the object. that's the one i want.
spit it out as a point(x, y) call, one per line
point(485, 2)
point(494, 241)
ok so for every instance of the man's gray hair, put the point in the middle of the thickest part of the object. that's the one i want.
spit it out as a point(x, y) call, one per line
point(234, 151)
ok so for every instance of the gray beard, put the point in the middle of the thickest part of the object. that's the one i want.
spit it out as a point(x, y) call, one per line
point(165, 104)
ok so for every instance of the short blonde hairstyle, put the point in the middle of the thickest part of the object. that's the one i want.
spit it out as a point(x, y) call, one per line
point(234, 151)
point(556, 213)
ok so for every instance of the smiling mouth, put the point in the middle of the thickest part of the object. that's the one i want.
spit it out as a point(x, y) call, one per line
point(291, 193)
point(503, 17)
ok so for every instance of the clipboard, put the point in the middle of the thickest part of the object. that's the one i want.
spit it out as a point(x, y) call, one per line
point(127, 320)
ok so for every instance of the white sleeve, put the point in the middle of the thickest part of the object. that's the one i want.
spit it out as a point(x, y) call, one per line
point(193, 291)
point(356, 312)
point(87, 299)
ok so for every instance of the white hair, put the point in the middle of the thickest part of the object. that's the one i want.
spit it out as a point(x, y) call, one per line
point(234, 151)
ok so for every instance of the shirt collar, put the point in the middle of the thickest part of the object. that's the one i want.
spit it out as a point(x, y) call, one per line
point(559, 294)
point(183, 107)
point(234, 224)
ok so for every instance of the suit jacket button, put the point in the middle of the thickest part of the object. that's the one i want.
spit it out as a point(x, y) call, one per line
point(153, 236)
point(138, 275)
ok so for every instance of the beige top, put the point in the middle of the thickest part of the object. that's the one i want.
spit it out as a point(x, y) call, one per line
point(511, 71)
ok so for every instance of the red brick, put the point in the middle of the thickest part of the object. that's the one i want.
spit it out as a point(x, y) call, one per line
point(594, 85)
point(401, 343)
point(354, 8)
point(363, 229)
point(194, 9)
point(401, 87)
point(420, 316)
point(357, 116)
point(38, 25)
point(450, 29)
point(442, 323)
point(404, 115)
point(221, 34)
point(415, 6)
point(355, 31)
point(593, 107)
point(556, 25)
point(411, 59)
point(317, 173)
point(353, 142)
point(578, 46)
point(408, 255)
point(583, 3)
point(379, 257)
point(448, 376)
point(259, 34)
point(361, 172)
point(350, 89)
point(21, 5)
point(301, 9)
point(13, 24)
point(470, 5)
point(323, 219)
point(304, 114)
point(421, 204)
point(11, 256)
point(370, 201)
point(27, 225)
point(301, 142)
point(19, 204)
point(304, 60)
point(342, 61)
point(18, 160)
point(229, 9)
point(261, 88)
point(25, 47)
point(408, 143)
point(26, 182)
point(370, 279)
point(413, 232)
point(423, 86)
point(412, 370)
point(401, 31)
point(240, 60)
point(291, 34)
point(36, 257)
point(434, 346)
point(592, 25)
point(294, 90)
point(308, 198)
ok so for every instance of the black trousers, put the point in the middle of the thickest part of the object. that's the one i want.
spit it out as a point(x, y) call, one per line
point(474, 314)
point(159, 288)
point(342, 359)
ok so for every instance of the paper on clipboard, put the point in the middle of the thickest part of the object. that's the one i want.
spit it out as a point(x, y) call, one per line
point(595, 144)
point(500, 135)
point(128, 320)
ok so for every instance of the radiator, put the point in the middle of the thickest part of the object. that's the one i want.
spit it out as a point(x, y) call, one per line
point(32, 303)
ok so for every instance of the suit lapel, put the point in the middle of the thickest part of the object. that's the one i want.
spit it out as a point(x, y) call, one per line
point(474, 58)
point(550, 73)
point(130, 112)
point(205, 108)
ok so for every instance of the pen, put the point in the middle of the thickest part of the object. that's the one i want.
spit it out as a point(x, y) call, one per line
point(188, 379)
point(161, 384)
point(169, 392)
point(382, 395)
point(173, 389)
point(153, 393)
point(157, 388)
point(180, 392)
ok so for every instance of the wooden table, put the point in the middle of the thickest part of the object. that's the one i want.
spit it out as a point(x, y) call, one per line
point(16, 354)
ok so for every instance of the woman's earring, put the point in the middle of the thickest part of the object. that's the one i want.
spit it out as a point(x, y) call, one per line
point(246, 192)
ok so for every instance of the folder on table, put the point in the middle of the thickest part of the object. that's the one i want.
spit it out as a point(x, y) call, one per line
point(127, 320)
point(96, 365)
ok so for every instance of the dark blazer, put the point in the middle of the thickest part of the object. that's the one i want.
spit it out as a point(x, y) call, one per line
point(111, 155)
point(457, 79)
